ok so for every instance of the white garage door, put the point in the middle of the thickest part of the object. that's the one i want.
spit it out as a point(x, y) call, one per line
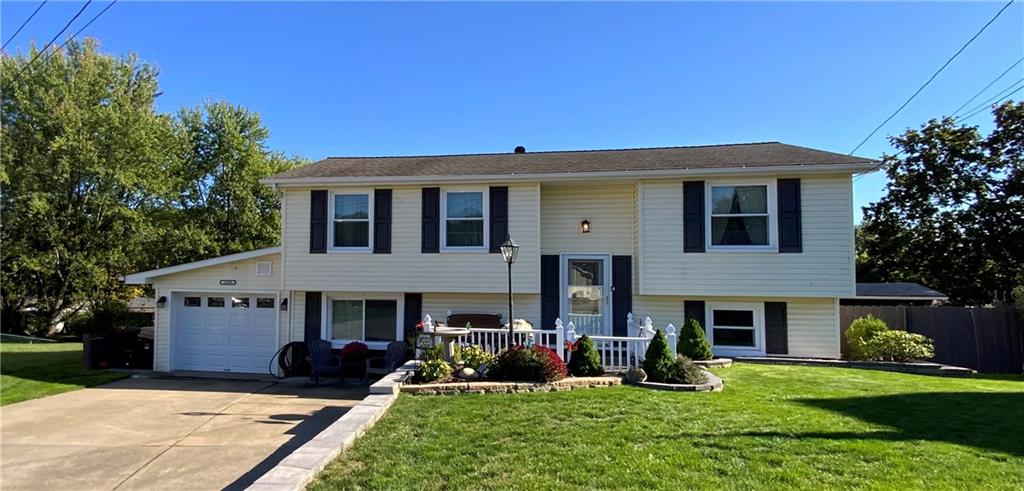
point(229, 332)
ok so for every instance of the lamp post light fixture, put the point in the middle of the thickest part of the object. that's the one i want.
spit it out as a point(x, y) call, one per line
point(585, 226)
point(509, 251)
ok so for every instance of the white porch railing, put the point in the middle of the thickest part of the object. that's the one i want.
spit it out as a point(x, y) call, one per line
point(617, 353)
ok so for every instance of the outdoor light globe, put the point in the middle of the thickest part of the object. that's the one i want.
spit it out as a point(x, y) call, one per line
point(509, 250)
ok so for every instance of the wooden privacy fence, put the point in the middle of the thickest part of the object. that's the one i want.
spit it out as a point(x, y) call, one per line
point(987, 339)
point(617, 353)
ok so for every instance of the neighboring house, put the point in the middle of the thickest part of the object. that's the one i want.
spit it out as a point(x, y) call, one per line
point(894, 294)
point(753, 240)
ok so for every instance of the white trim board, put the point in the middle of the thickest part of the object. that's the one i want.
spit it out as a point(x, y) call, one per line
point(144, 277)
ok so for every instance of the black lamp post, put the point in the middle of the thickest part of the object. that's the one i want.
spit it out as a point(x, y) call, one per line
point(509, 251)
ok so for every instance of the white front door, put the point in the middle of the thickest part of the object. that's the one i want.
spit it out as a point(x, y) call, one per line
point(586, 299)
point(224, 331)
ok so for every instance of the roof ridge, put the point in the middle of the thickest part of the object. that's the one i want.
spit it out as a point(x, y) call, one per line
point(486, 154)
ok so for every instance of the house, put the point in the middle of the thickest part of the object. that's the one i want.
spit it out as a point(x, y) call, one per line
point(894, 294)
point(754, 240)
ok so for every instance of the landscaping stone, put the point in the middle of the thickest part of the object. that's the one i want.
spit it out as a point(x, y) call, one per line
point(635, 375)
point(714, 363)
point(467, 374)
point(481, 387)
point(713, 384)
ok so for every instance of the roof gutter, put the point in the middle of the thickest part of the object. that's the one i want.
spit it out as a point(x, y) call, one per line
point(574, 176)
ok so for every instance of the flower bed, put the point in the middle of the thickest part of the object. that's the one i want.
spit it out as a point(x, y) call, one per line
point(713, 384)
point(454, 388)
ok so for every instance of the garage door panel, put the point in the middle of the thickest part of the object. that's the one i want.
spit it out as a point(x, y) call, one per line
point(227, 332)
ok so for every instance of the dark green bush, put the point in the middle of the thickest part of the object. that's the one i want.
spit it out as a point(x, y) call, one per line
point(584, 361)
point(861, 330)
point(684, 371)
point(658, 359)
point(534, 364)
point(693, 343)
point(899, 346)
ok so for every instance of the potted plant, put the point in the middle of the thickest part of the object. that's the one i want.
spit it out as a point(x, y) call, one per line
point(354, 355)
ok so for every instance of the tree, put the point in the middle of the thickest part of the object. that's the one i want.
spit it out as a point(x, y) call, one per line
point(693, 343)
point(82, 156)
point(658, 358)
point(952, 217)
point(584, 361)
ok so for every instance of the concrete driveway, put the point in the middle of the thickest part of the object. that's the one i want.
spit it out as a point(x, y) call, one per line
point(162, 433)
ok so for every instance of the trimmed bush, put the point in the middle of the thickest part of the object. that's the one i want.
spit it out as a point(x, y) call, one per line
point(861, 330)
point(684, 371)
point(432, 370)
point(899, 346)
point(693, 343)
point(584, 361)
point(435, 352)
point(658, 359)
point(535, 364)
point(475, 356)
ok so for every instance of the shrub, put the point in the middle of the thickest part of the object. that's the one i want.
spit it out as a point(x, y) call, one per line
point(899, 346)
point(535, 364)
point(475, 356)
point(684, 371)
point(435, 352)
point(354, 352)
point(584, 361)
point(693, 343)
point(861, 330)
point(432, 370)
point(658, 358)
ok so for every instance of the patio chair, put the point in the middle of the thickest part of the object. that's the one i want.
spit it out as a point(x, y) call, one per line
point(323, 363)
point(394, 358)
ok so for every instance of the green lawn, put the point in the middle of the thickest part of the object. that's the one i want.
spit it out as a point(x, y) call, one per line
point(28, 371)
point(772, 427)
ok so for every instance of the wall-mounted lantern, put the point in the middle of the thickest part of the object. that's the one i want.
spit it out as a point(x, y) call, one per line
point(585, 226)
point(161, 302)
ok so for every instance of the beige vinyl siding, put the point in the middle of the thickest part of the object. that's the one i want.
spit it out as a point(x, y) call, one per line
point(208, 280)
point(438, 304)
point(812, 323)
point(406, 268)
point(823, 269)
point(609, 207)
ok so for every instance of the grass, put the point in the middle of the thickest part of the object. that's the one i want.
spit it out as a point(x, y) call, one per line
point(30, 371)
point(772, 427)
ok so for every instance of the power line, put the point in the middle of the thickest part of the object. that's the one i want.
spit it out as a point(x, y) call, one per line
point(34, 12)
point(1000, 95)
point(936, 74)
point(87, 24)
point(985, 108)
point(66, 26)
point(990, 84)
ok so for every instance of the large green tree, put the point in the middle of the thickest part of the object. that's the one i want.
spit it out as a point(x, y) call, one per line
point(952, 217)
point(82, 154)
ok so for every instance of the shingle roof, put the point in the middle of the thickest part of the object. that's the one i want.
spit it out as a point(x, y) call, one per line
point(897, 290)
point(742, 155)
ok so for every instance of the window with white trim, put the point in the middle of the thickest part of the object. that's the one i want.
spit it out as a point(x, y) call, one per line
point(363, 320)
point(464, 220)
point(350, 224)
point(735, 326)
point(740, 215)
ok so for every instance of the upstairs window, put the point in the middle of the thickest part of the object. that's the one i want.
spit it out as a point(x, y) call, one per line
point(464, 220)
point(740, 216)
point(351, 221)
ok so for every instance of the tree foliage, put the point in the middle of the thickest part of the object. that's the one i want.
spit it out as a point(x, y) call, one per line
point(952, 217)
point(693, 343)
point(97, 183)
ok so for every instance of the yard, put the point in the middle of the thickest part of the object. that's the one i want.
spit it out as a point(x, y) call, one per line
point(29, 371)
point(773, 426)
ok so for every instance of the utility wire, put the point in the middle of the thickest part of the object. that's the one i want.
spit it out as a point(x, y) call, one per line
point(34, 12)
point(990, 84)
point(1000, 95)
point(87, 24)
point(66, 26)
point(985, 108)
point(936, 74)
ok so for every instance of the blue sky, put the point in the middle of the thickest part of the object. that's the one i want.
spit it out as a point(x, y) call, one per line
point(392, 79)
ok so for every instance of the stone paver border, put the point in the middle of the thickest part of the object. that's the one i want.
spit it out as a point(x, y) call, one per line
point(296, 470)
point(919, 368)
point(714, 384)
point(454, 388)
point(714, 363)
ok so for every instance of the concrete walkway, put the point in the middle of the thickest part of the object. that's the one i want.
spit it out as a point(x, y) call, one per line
point(162, 433)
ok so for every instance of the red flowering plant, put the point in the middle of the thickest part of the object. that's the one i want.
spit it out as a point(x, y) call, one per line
point(534, 364)
point(354, 352)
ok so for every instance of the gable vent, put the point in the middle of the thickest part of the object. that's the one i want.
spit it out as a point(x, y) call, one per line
point(264, 268)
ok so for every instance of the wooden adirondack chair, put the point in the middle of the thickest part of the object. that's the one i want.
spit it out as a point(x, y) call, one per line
point(323, 363)
point(394, 358)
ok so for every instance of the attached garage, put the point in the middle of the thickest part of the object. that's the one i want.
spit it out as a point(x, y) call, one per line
point(226, 314)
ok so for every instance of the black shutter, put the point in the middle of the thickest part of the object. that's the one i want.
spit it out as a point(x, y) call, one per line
point(695, 309)
point(431, 231)
point(622, 293)
point(499, 217)
point(382, 221)
point(789, 216)
point(413, 311)
point(313, 306)
point(550, 293)
point(317, 222)
point(775, 328)
point(693, 216)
